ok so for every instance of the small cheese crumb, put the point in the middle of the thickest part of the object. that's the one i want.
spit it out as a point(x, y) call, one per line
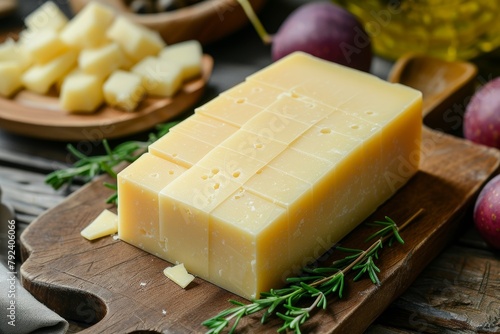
point(179, 275)
point(105, 224)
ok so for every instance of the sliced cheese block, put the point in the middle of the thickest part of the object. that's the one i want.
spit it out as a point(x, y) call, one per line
point(123, 90)
point(137, 41)
point(47, 16)
point(105, 224)
point(140, 184)
point(102, 60)
point(314, 148)
point(87, 29)
point(40, 77)
point(81, 92)
point(179, 275)
point(187, 55)
point(159, 78)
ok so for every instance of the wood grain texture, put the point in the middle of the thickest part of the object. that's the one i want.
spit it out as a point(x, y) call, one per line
point(40, 116)
point(121, 289)
point(458, 292)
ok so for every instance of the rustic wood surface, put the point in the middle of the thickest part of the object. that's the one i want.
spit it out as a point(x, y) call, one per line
point(120, 289)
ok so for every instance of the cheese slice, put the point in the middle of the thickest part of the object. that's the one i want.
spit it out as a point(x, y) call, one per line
point(179, 275)
point(295, 157)
point(105, 224)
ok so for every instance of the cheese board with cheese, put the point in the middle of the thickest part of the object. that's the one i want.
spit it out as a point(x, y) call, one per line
point(113, 287)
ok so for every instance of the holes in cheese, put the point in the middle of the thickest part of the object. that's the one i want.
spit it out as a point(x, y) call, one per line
point(305, 161)
point(105, 224)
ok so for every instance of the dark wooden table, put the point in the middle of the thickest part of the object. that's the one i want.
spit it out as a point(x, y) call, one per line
point(458, 292)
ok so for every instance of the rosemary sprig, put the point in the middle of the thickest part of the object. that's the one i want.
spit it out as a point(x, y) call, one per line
point(316, 285)
point(88, 167)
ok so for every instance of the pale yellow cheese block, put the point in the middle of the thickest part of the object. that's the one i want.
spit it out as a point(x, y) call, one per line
point(81, 92)
point(159, 78)
point(185, 54)
point(88, 28)
point(40, 77)
point(43, 45)
point(101, 60)
point(47, 16)
point(10, 72)
point(307, 159)
point(139, 186)
point(138, 42)
point(123, 90)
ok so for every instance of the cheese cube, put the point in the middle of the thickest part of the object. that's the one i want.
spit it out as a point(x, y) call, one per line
point(11, 50)
point(47, 16)
point(81, 92)
point(87, 28)
point(10, 72)
point(159, 78)
point(43, 45)
point(138, 42)
point(101, 60)
point(187, 55)
point(123, 90)
point(312, 159)
point(105, 224)
point(39, 78)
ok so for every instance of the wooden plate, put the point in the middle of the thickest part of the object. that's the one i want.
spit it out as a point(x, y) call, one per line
point(206, 21)
point(7, 7)
point(40, 116)
point(114, 287)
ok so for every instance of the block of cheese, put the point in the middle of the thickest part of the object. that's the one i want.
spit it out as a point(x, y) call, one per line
point(81, 92)
point(140, 184)
point(123, 90)
point(87, 29)
point(43, 45)
point(137, 41)
point(314, 148)
point(102, 60)
point(187, 55)
point(40, 77)
point(159, 78)
point(10, 72)
point(47, 16)
point(11, 50)
point(105, 224)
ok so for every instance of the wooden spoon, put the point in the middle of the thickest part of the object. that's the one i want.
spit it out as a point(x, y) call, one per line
point(446, 87)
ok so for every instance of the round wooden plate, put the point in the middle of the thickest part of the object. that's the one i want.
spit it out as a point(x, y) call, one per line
point(40, 116)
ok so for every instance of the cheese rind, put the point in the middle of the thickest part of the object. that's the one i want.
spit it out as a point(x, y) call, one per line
point(307, 159)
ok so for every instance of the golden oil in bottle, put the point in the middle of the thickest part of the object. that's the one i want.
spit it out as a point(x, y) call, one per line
point(447, 29)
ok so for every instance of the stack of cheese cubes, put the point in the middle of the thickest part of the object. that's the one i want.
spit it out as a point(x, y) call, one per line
point(270, 174)
point(94, 58)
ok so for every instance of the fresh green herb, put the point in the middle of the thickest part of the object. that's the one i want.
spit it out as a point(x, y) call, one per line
point(315, 286)
point(88, 167)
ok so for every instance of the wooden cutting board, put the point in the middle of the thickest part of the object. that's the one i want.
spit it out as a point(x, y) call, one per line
point(120, 289)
